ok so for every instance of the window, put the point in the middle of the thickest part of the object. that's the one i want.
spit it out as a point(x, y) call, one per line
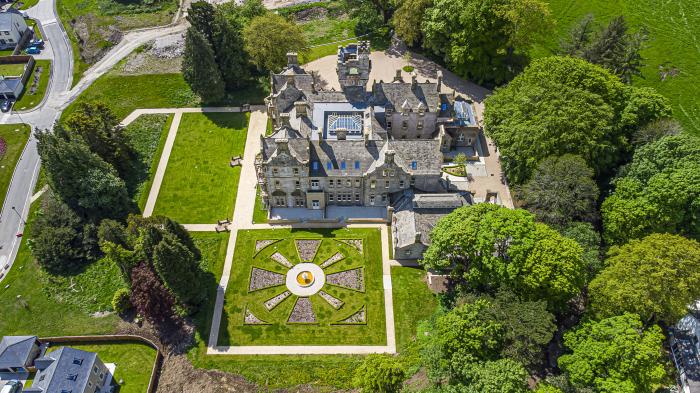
point(330, 183)
point(469, 141)
point(78, 361)
point(297, 185)
point(352, 123)
point(413, 181)
point(342, 165)
point(348, 183)
point(314, 165)
point(404, 124)
point(277, 184)
point(420, 124)
point(329, 165)
point(102, 375)
point(357, 182)
point(357, 197)
point(383, 197)
point(371, 199)
point(330, 197)
point(460, 137)
point(401, 183)
point(373, 184)
point(10, 40)
point(275, 172)
point(386, 184)
point(296, 171)
point(385, 173)
point(94, 370)
point(357, 164)
point(299, 202)
point(388, 124)
point(314, 183)
point(72, 377)
point(414, 165)
point(280, 201)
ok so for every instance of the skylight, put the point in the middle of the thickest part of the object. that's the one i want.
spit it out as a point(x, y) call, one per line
point(351, 123)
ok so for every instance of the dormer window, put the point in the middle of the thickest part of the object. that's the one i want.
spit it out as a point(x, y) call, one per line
point(296, 171)
point(329, 165)
point(314, 165)
point(414, 165)
point(357, 164)
point(275, 172)
point(342, 165)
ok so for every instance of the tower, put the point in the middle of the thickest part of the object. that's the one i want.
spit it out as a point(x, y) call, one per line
point(354, 66)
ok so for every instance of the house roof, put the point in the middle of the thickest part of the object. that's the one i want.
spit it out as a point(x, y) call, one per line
point(16, 350)
point(424, 152)
point(9, 85)
point(349, 151)
point(417, 214)
point(65, 369)
point(407, 95)
point(7, 17)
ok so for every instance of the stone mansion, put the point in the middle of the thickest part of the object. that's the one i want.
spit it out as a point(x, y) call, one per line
point(362, 144)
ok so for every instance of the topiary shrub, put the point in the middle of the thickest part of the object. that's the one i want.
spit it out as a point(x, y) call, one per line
point(120, 301)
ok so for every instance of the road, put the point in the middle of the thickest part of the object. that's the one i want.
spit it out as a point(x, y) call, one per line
point(15, 208)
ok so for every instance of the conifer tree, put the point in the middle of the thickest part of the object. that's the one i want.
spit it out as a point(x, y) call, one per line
point(199, 67)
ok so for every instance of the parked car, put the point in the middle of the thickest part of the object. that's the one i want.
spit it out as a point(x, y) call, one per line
point(6, 105)
point(39, 43)
point(33, 50)
point(12, 387)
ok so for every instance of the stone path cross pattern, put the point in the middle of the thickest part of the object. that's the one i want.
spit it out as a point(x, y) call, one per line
point(242, 219)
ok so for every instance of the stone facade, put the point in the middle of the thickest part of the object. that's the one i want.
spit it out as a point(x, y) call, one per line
point(356, 147)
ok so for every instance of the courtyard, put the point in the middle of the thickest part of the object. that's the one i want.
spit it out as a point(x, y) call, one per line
point(199, 185)
point(299, 287)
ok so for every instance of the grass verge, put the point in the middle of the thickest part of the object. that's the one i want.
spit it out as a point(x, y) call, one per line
point(28, 100)
point(15, 137)
point(259, 212)
point(199, 186)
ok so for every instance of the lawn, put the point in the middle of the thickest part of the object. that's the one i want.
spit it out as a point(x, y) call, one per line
point(199, 186)
point(674, 28)
point(413, 302)
point(327, 329)
point(97, 16)
point(147, 135)
point(12, 69)
point(29, 100)
point(134, 362)
point(259, 213)
point(15, 137)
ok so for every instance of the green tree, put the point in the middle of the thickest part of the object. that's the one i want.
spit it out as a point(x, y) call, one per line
point(231, 57)
point(563, 105)
point(656, 130)
point(498, 376)
point(485, 40)
point(487, 246)
point(579, 37)
point(179, 270)
point(80, 178)
point(269, 37)
point(120, 301)
point(561, 190)
point(199, 67)
point(589, 240)
point(59, 240)
point(658, 192)
point(201, 18)
point(98, 126)
point(380, 373)
point(616, 355)
point(408, 18)
point(656, 277)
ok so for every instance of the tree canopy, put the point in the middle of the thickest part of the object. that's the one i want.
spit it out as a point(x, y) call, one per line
point(269, 37)
point(380, 373)
point(656, 277)
point(484, 40)
point(563, 105)
point(199, 67)
point(561, 190)
point(615, 355)
point(408, 18)
point(659, 191)
point(486, 246)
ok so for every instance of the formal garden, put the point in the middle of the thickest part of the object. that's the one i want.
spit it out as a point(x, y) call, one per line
point(199, 184)
point(305, 287)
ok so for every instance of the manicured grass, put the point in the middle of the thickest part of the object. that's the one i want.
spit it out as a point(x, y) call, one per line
point(329, 29)
point(52, 309)
point(124, 94)
point(12, 69)
point(259, 213)
point(27, 100)
point(325, 331)
point(99, 14)
point(26, 4)
point(147, 135)
point(199, 185)
point(673, 27)
point(15, 136)
point(413, 302)
point(134, 362)
point(37, 31)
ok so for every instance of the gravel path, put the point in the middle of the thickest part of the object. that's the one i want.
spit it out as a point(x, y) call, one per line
point(303, 312)
point(307, 249)
point(352, 279)
point(261, 279)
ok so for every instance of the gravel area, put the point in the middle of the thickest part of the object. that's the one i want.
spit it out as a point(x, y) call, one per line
point(281, 259)
point(358, 317)
point(251, 319)
point(357, 243)
point(307, 249)
point(333, 301)
point(303, 312)
point(352, 279)
point(260, 244)
point(275, 301)
point(169, 47)
point(335, 258)
point(261, 279)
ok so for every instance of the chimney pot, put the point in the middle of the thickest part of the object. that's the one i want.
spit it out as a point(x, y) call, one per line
point(284, 119)
point(341, 134)
point(418, 236)
point(292, 59)
point(439, 81)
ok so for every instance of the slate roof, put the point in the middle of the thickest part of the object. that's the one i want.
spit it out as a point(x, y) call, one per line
point(61, 373)
point(302, 80)
point(15, 351)
point(298, 148)
point(413, 214)
point(336, 152)
point(7, 17)
point(425, 152)
point(397, 94)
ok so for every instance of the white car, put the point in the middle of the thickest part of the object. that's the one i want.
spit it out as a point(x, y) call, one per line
point(12, 387)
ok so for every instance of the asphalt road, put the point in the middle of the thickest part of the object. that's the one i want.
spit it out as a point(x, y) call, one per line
point(15, 208)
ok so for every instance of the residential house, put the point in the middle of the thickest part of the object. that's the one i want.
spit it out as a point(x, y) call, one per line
point(70, 370)
point(17, 353)
point(12, 28)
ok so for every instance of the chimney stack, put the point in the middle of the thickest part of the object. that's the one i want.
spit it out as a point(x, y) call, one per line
point(284, 119)
point(300, 108)
point(418, 236)
point(398, 77)
point(292, 59)
point(282, 145)
point(439, 81)
point(389, 156)
point(414, 80)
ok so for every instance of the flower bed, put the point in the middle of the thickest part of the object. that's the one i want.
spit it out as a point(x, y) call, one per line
point(357, 243)
point(281, 259)
point(261, 279)
point(350, 279)
point(335, 258)
point(260, 244)
point(275, 301)
point(360, 317)
point(307, 249)
point(334, 302)
point(303, 312)
point(251, 319)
